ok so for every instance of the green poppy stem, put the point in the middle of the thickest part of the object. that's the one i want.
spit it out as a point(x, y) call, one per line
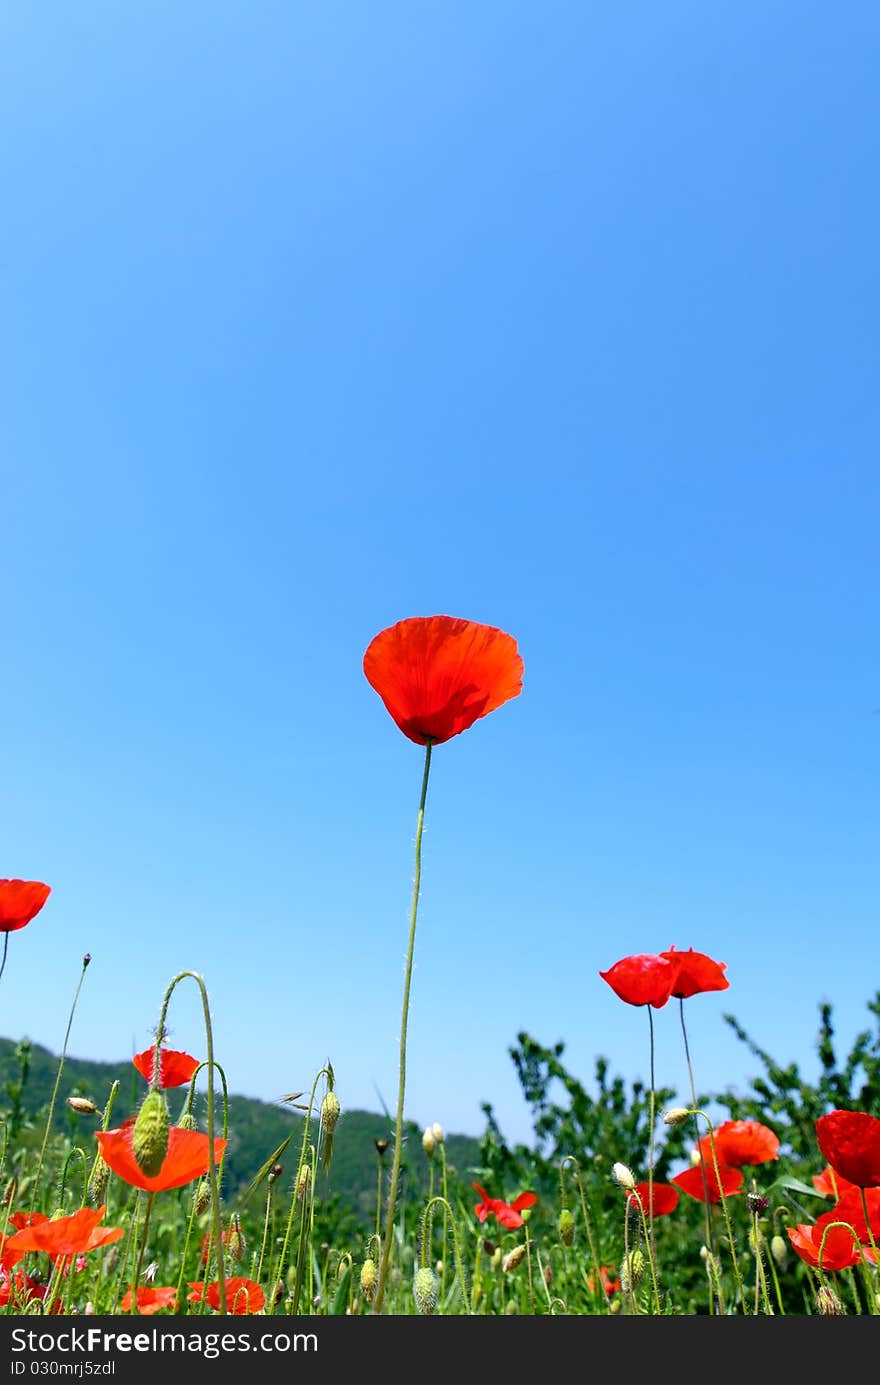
point(398, 1127)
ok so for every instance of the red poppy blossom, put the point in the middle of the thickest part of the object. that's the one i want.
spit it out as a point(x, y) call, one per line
point(175, 1067)
point(21, 1289)
point(691, 1182)
point(507, 1214)
point(73, 1235)
point(830, 1184)
point(438, 674)
point(150, 1300)
point(663, 1198)
point(740, 1142)
point(187, 1157)
point(850, 1141)
point(610, 1283)
point(840, 1251)
point(849, 1208)
point(242, 1295)
point(20, 901)
point(696, 973)
point(643, 979)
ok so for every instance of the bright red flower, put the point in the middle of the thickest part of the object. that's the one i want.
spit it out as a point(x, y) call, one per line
point(21, 1289)
point(437, 674)
point(507, 1214)
point(663, 1199)
point(830, 1184)
point(644, 979)
point(175, 1067)
point(242, 1295)
point(187, 1157)
point(20, 901)
point(610, 1283)
point(850, 1141)
point(73, 1235)
point(841, 1249)
point(849, 1208)
point(696, 973)
point(150, 1300)
point(740, 1142)
point(691, 1182)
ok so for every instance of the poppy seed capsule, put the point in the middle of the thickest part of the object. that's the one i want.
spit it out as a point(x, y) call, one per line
point(149, 1139)
point(187, 1121)
point(82, 1105)
point(565, 1226)
point(429, 1144)
point(425, 1290)
point(369, 1276)
point(677, 1116)
point(631, 1270)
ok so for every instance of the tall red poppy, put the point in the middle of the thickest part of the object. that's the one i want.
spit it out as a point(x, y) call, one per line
point(740, 1142)
point(20, 901)
point(849, 1208)
point(73, 1235)
point(696, 973)
point(841, 1248)
point(655, 1199)
point(691, 1182)
point(850, 1141)
point(643, 979)
point(175, 1067)
point(438, 674)
point(242, 1295)
point(507, 1214)
point(151, 1299)
point(186, 1158)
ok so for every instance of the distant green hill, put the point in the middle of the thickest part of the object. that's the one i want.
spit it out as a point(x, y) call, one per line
point(255, 1128)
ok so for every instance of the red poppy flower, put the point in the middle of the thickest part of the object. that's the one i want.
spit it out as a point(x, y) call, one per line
point(175, 1067)
point(691, 1182)
point(830, 1184)
point(849, 1208)
point(187, 1157)
point(850, 1141)
point(696, 973)
point(663, 1198)
point(150, 1300)
point(21, 1289)
point(644, 979)
point(73, 1235)
point(740, 1142)
point(841, 1249)
point(610, 1283)
point(507, 1214)
point(20, 901)
point(437, 674)
point(242, 1295)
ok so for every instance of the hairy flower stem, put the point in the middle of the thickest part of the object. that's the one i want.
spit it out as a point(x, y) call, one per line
point(594, 1252)
point(48, 1129)
point(140, 1259)
point(404, 1019)
point(694, 1104)
point(725, 1211)
point(427, 1217)
point(649, 1230)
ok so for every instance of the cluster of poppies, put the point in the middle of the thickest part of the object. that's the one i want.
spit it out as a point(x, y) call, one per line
point(652, 979)
point(848, 1234)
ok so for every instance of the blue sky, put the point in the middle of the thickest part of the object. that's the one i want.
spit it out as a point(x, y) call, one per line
point(316, 317)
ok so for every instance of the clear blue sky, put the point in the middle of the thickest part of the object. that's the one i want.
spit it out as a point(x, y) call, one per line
point(561, 318)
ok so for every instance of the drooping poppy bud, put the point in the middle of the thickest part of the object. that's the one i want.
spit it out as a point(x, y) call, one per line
point(149, 1141)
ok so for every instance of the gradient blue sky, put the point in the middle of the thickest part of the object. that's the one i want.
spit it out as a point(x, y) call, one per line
point(561, 318)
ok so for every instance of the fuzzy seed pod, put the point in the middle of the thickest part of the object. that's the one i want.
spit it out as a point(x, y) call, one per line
point(201, 1196)
point(98, 1181)
point(369, 1276)
point(623, 1177)
point(827, 1303)
point(330, 1110)
point(565, 1227)
point(631, 1270)
point(149, 1140)
point(187, 1121)
point(425, 1290)
point(429, 1144)
point(677, 1116)
point(235, 1241)
point(302, 1182)
point(513, 1258)
point(778, 1249)
point(82, 1105)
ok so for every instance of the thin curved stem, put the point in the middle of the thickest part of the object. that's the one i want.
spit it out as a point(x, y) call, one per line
point(404, 1019)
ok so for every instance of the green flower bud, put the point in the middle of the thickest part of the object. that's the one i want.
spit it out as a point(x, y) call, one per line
point(369, 1276)
point(565, 1226)
point(425, 1287)
point(149, 1140)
